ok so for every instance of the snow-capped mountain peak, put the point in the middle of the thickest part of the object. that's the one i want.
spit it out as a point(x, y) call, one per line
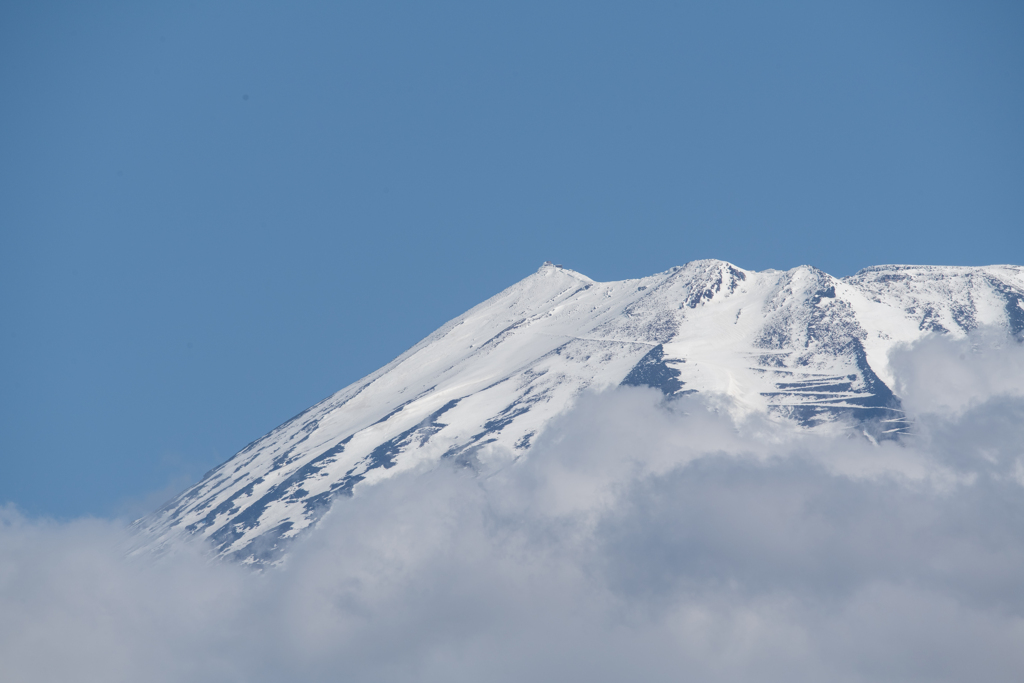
point(799, 345)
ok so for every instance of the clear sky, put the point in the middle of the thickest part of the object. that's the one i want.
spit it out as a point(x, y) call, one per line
point(215, 214)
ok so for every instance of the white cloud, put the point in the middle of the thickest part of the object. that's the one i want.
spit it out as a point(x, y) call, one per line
point(639, 540)
point(944, 376)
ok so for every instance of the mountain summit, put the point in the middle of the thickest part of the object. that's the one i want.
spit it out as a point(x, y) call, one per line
point(798, 345)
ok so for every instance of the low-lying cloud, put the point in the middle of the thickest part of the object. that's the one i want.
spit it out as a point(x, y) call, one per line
point(638, 540)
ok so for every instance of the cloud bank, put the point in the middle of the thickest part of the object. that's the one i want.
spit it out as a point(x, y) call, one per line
point(638, 540)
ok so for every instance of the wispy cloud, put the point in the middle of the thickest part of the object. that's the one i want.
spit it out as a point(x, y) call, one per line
point(639, 540)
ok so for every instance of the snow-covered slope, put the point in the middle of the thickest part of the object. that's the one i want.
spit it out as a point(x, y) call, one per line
point(799, 345)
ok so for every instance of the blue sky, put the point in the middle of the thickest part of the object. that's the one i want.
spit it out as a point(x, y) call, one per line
point(213, 215)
